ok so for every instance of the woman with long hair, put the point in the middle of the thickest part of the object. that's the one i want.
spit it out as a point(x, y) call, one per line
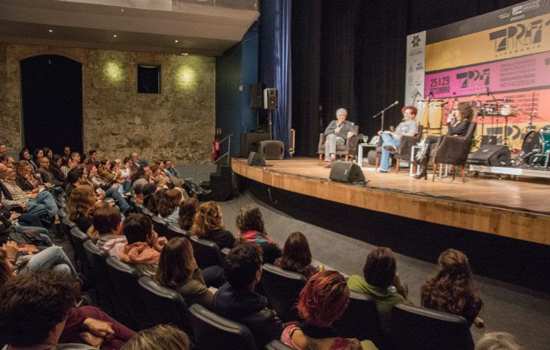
point(187, 212)
point(80, 206)
point(251, 227)
point(178, 270)
point(208, 224)
point(323, 300)
point(297, 256)
point(168, 205)
point(453, 289)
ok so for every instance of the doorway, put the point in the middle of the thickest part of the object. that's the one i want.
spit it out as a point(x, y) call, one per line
point(51, 90)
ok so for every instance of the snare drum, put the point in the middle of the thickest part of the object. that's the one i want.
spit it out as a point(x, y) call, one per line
point(506, 110)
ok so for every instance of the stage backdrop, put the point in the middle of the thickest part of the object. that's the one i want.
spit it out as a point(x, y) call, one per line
point(500, 58)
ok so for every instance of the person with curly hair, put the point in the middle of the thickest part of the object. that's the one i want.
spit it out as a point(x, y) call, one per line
point(161, 337)
point(297, 256)
point(453, 289)
point(80, 206)
point(208, 224)
point(322, 301)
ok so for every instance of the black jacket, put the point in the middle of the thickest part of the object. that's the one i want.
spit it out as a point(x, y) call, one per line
point(459, 129)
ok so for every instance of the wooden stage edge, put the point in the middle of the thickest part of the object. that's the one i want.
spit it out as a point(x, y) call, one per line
point(398, 194)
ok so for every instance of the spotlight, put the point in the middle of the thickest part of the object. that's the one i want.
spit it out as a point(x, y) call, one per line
point(115, 36)
point(50, 30)
point(176, 41)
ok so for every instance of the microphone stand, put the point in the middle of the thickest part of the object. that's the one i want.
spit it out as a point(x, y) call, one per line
point(381, 114)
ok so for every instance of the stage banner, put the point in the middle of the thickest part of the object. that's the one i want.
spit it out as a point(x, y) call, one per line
point(416, 54)
point(498, 62)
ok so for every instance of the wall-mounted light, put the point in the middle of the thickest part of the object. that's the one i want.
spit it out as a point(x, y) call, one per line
point(176, 41)
point(185, 77)
point(115, 36)
point(50, 30)
point(113, 71)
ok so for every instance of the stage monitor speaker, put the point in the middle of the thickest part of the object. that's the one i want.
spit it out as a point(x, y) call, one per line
point(250, 142)
point(256, 96)
point(256, 159)
point(491, 155)
point(346, 172)
point(488, 140)
point(272, 149)
point(270, 98)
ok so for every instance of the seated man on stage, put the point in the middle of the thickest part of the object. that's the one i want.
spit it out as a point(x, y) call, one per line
point(392, 139)
point(457, 125)
point(336, 133)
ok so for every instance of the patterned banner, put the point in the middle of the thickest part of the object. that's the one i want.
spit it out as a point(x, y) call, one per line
point(517, 39)
point(528, 72)
point(416, 47)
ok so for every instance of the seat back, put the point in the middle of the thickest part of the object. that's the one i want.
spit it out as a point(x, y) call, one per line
point(127, 304)
point(175, 231)
point(277, 345)
point(77, 239)
point(98, 267)
point(282, 289)
point(160, 226)
point(415, 328)
point(360, 320)
point(207, 253)
point(212, 331)
point(163, 305)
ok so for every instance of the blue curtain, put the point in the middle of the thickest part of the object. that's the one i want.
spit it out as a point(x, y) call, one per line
point(282, 117)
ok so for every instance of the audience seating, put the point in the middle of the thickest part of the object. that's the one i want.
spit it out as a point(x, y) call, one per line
point(282, 289)
point(77, 239)
point(127, 305)
point(277, 345)
point(212, 331)
point(163, 305)
point(98, 267)
point(165, 230)
point(414, 328)
point(207, 253)
point(361, 320)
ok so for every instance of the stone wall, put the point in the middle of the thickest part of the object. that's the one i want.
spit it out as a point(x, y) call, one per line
point(176, 124)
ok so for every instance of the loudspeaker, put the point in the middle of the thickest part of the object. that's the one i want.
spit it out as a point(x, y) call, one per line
point(256, 159)
point(221, 184)
point(270, 98)
point(272, 149)
point(493, 155)
point(346, 172)
point(250, 142)
point(256, 96)
point(488, 140)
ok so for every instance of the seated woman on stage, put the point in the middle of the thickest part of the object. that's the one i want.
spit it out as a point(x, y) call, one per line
point(392, 139)
point(452, 289)
point(457, 125)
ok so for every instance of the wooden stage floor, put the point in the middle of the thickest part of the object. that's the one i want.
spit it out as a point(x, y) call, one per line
point(514, 209)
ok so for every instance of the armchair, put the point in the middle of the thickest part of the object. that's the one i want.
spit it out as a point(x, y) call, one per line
point(404, 151)
point(347, 150)
point(454, 150)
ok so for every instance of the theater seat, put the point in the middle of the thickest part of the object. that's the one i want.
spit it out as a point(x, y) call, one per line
point(277, 345)
point(212, 331)
point(415, 328)
point(127, 304)
point(163, 305)
point(98, 267)
point(207, 253)
point(360, 320)
point(282, 289)
point(77, 239)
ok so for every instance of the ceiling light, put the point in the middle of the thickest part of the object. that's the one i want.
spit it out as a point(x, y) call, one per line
point(184, 53)
point(176, 41)
point(122, 10)
point(115, 36)
point(50, 30)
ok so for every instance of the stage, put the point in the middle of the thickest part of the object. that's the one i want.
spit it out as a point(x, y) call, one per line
point(513, 209)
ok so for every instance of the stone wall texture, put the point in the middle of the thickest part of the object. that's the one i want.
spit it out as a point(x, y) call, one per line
point(176, 124)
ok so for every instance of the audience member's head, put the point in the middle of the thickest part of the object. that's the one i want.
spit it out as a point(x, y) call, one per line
point(208, 218)
point(7, 174)
point(48, 152)
point(324, 299)
point(23, 168)
point(25, 154)
point(243, 266)
point(34, 308)
point(81, 202)
point(250, 219)
point(161, 337)
point(106, 220)
point(67, 151)
point(74, 176)
point(137, 228)
point(44, 162)
point(75, 157)
point(38, 153)
point(176, 263)
point(187, 212)
point(296, 252)
point(380, 267)
point(169, 201)
point(3, 148)
point(497, 341)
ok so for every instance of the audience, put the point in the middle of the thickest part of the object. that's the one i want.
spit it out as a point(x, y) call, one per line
point(144, 245)
point(80, 206)
point(44, 169)
point(297, 256)
point(106, 230)
point(208, 224)
point(453, 289)
point(497, 341)
point(19, 258)
point(380, 282)
point(177, 269)
point(25, 177)
point(323, 300)
point(237, 299)
point(168, 205)
point(187, 212)
point(161, 337)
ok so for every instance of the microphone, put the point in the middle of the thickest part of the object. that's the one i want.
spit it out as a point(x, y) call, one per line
point(395, 103)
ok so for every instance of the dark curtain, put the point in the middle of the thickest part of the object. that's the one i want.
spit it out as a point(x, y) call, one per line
point(352, 54)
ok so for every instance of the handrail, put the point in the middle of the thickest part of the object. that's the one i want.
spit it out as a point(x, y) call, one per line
point(226, 155)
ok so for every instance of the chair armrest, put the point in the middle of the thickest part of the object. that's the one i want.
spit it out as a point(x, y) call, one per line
point(452, 150)
point(352, 143)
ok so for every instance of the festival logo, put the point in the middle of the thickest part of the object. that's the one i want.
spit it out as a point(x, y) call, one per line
point(474, 77)
point(520, 37)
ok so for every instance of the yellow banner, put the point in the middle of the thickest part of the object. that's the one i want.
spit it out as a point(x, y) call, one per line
point(513, 40)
